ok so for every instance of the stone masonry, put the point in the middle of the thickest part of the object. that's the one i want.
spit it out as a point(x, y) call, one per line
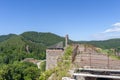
point(52, 57)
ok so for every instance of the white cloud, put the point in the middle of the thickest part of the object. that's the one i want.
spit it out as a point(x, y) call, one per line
point(115, 28)
point(113, 32)
point(116, 24)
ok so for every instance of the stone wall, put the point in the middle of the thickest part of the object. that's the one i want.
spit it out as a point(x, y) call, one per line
point(89, 57)
point(52, 56)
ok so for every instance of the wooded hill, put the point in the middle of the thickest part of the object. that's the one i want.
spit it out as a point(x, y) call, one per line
point(15, 48)
point(33, 44)
point(104, 44)
point(28, 44)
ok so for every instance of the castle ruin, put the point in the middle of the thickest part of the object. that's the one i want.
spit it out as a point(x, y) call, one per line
point(54, 52)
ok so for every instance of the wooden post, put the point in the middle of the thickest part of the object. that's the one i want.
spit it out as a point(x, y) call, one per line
point(108, 62)
point(90, 59)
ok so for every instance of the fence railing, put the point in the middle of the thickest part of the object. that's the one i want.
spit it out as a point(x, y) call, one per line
point(100, 61)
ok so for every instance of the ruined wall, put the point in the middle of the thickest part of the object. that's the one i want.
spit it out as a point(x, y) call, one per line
point(52, 56)
point(88, 57)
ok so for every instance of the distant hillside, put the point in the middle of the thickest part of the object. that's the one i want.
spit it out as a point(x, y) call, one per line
point(15, 48)
point(105, 44)
point(46, 39)
point(5, 37)
point(28, 44)
point(33, 44)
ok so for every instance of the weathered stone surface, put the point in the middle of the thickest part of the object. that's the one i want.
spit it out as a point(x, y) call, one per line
point(52, 56)
point(90, 58)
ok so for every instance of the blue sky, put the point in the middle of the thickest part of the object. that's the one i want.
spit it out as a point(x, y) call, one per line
point(80, 19)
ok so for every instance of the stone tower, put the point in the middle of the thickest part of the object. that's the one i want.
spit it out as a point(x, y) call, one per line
point(66, 40)
point(52, 55)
